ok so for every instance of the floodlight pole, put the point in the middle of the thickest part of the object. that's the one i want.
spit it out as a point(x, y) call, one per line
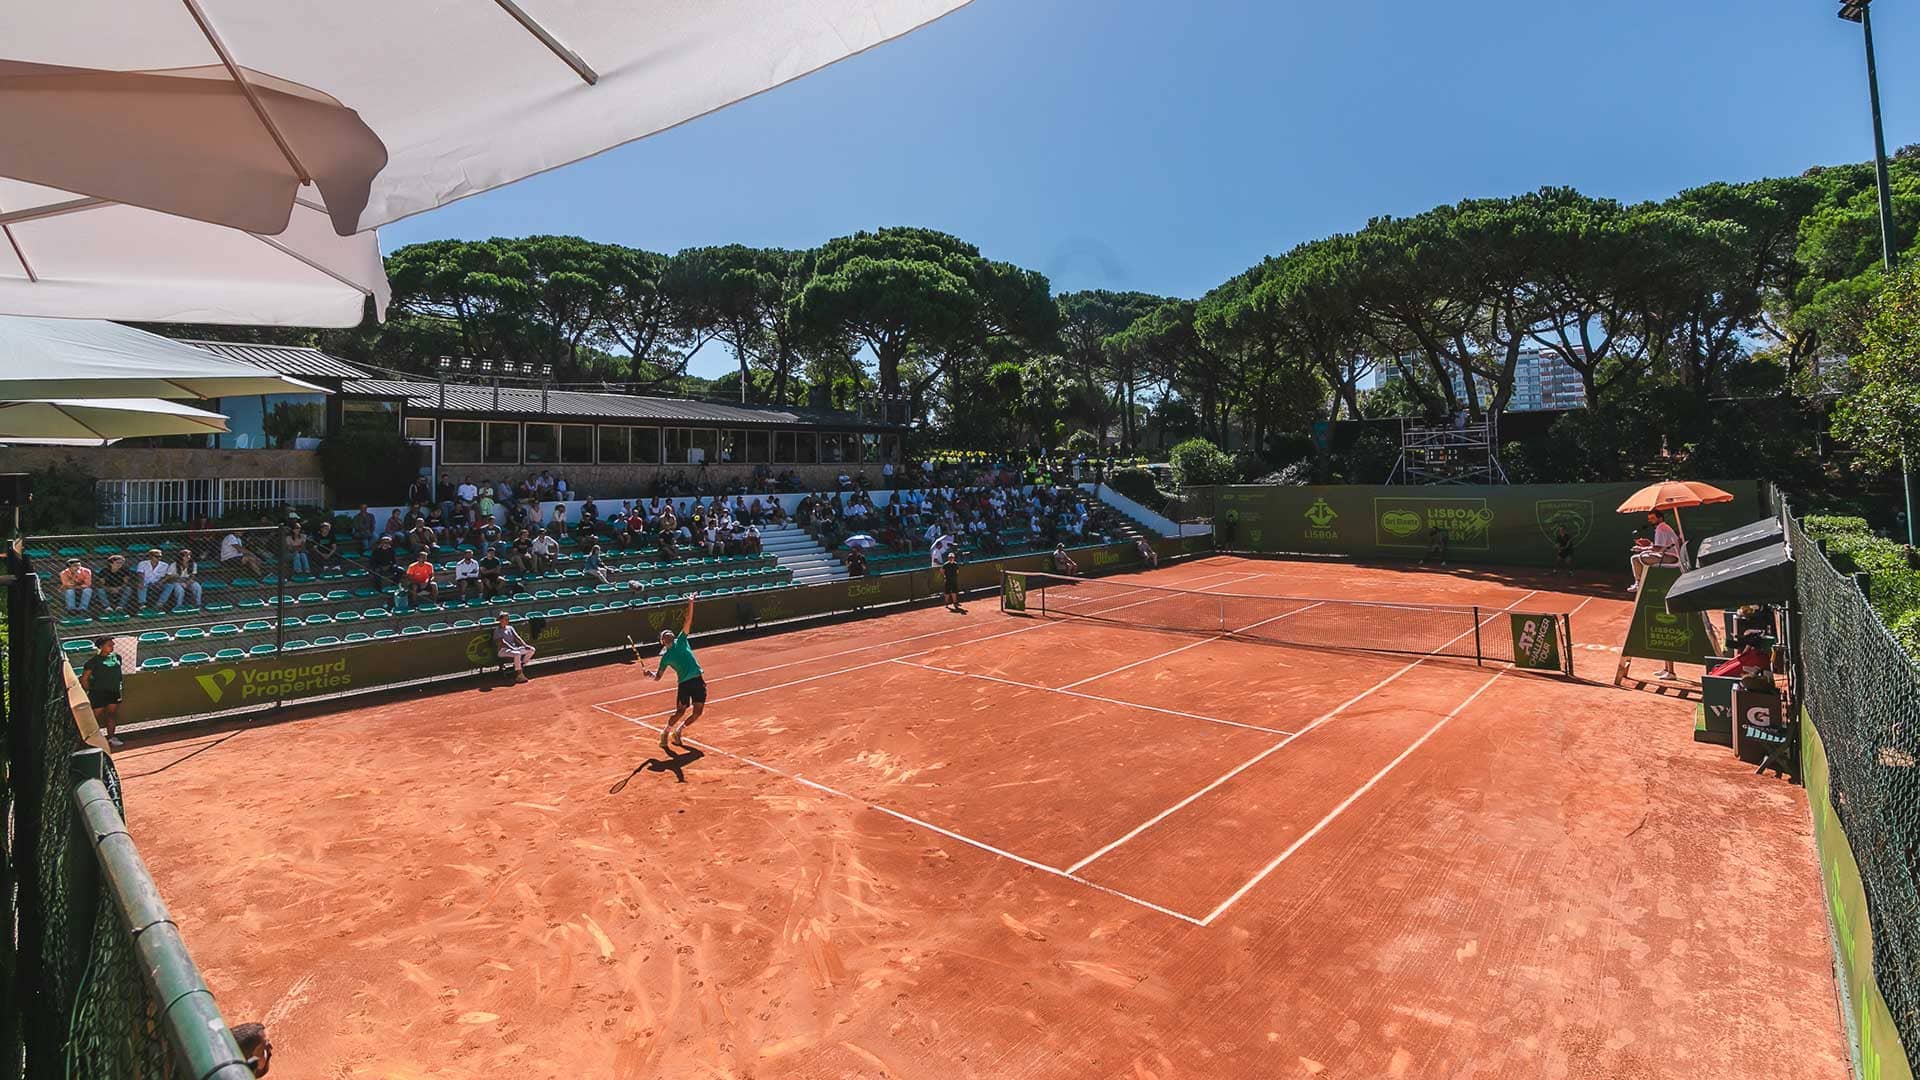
point(1861, 11)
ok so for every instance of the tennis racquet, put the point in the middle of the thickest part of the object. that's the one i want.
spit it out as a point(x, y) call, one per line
point(632, 648)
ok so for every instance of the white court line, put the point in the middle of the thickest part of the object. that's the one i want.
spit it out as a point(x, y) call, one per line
point(1277, 747)
point(929, 826)
point(1347, 802)
point(880, 645)
point(1090, 697)
point(1193, 645)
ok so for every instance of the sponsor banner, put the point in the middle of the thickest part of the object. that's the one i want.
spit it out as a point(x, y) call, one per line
point(1536, 643)
point(1013, 593)
point(1510, 525)
point(1658, 634)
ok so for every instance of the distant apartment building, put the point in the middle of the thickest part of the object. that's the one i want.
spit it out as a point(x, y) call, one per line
point(1544, 380)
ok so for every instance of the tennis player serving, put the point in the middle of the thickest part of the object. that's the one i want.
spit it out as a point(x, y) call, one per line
point(677, 653)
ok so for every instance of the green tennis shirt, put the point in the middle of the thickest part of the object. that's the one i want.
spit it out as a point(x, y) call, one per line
point(679, 657)
point(106, 675)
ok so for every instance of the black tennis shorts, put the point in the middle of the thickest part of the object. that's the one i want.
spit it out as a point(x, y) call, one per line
point(952, 579)
point(103, 699)
point(691, 690)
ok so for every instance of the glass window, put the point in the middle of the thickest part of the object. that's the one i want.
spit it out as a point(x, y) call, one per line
point(806, 447)
point(733, 446)
point(759, 446)
point(362, 414)
point(869, 448)
point(503, 444)
point(543, 443)
point(615, 445)
point(783, 447)
point(460, 442)
point(646, 445)
point(706, 444)
point(830, 449)
point(419, 427)
point(576, 444)
point(890, 448)
point(678, 440)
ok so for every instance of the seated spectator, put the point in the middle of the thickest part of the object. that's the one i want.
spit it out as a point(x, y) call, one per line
point(490, 573)
point(1664, 550)
point(294, 543)
point(592, 566)
point(115, 584)
point(776, 513)
point(545, 551)
point(589, 516)
point(420, 538)
point(669, 550)
point(856, 563)
point(326, 547)
point(362, 529)
point(486, 533)
point(557, 524)
point(508, 645)
point(1062, 562)
point(521, 554)
point(396, 525)
point(234, 555)
point(252, 1040)
point(466, 576)
point(420, 581)
point(1147, 554)
point(436, 520)
point(182, 582)
point(710, 540)
point(751, 545)
point(382, 564)
point(485, 505)
point(150, 572)
point(76, 586)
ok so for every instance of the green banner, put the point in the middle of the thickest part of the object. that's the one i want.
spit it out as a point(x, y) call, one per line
point(1511, 525)
point(1536, 643)
point(1656, 634)
point(1013, 593)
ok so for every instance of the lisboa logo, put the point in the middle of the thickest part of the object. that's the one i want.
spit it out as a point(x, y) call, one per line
point(1320, 515)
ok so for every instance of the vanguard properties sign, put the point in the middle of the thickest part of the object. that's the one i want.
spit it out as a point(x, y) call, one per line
point(229, 687)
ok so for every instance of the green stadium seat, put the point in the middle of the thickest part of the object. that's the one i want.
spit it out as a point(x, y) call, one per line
point(115, 617)
point(75, 646)
point(376, 613)
point(244, 583)
point(229, 655)
point(321, 619)
point(224, 630)
point(156, 663)
point(311, 598)
point(37, 551)
point(296, 644)
point(409, 631)
point(195, 658)
point(596, 607)
point(72, 552)
point(155, 637)
point(251, 603)
point(217, 607)
point(256, 626)
point(75, 620)
point(301, 579)
point(264, 649)
point(358, 636)
point(364, 592)
point(544, 594)
point(325, 642)
point(577, 609)
point(106, 549)
point(336, 595)
point(464, 624)
point(346, 616)
point(291, 622)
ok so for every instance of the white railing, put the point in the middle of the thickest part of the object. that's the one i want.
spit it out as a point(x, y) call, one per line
point(146, 504)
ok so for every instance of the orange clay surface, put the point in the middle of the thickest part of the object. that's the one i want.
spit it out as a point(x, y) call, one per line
point(907, 852)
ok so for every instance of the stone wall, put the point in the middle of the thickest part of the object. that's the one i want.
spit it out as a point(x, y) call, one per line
point(129, 463)
point(636, 481)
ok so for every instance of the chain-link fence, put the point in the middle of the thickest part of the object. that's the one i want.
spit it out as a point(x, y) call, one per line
point(1862, 691)
point(87, 945)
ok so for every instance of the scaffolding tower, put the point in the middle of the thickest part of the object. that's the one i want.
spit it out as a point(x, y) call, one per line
point(1462, 452)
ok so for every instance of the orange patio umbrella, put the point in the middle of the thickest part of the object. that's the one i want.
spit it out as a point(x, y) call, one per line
point(1675, 495)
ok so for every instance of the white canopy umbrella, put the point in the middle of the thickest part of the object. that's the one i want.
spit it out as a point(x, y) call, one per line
point(74, 257)
point(228, 107)
point(113, 418)
point(82, 358)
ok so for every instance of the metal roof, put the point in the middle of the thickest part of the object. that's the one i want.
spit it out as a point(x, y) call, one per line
point(295, 360)
point(425, 398)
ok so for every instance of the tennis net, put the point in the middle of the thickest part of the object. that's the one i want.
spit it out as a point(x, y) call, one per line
point(1472, 633)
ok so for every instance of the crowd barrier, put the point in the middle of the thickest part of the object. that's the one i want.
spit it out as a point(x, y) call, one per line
point(1507, 525)
point(205, 689)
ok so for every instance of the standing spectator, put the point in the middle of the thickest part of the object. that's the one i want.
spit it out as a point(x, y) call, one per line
point(466, 576)
point(486, 504)
point(950, 580)
point(381, 564)
point(420, 491)
point(234, 555)
point(942, 545)
point(152, 573)
point(76, 585)
point(326, 547)
point(101, 678)
point(183, 582)
point(420, 580)
point(115, 584)
point(508, 645)
point(545, 550)
point(856, 563)
point(363, 527)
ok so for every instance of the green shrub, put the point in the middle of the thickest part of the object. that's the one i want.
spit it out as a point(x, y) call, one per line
point(1083, 442)
point(1371, 459)
point(1138, 485)
point(66, 498)
point(1894, 593)
point(1828, 526)
point(1906, 630)
point(1199, 463)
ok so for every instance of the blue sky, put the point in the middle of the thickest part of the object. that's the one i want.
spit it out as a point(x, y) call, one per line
point(1111, 144)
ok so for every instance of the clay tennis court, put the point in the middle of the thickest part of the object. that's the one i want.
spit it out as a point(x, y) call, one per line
point(983, 845)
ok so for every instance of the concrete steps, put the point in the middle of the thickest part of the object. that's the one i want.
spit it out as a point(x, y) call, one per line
point(811, 564)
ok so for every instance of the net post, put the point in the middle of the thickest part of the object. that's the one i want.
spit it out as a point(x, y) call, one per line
point(1566, 642)
point(1477, 654)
